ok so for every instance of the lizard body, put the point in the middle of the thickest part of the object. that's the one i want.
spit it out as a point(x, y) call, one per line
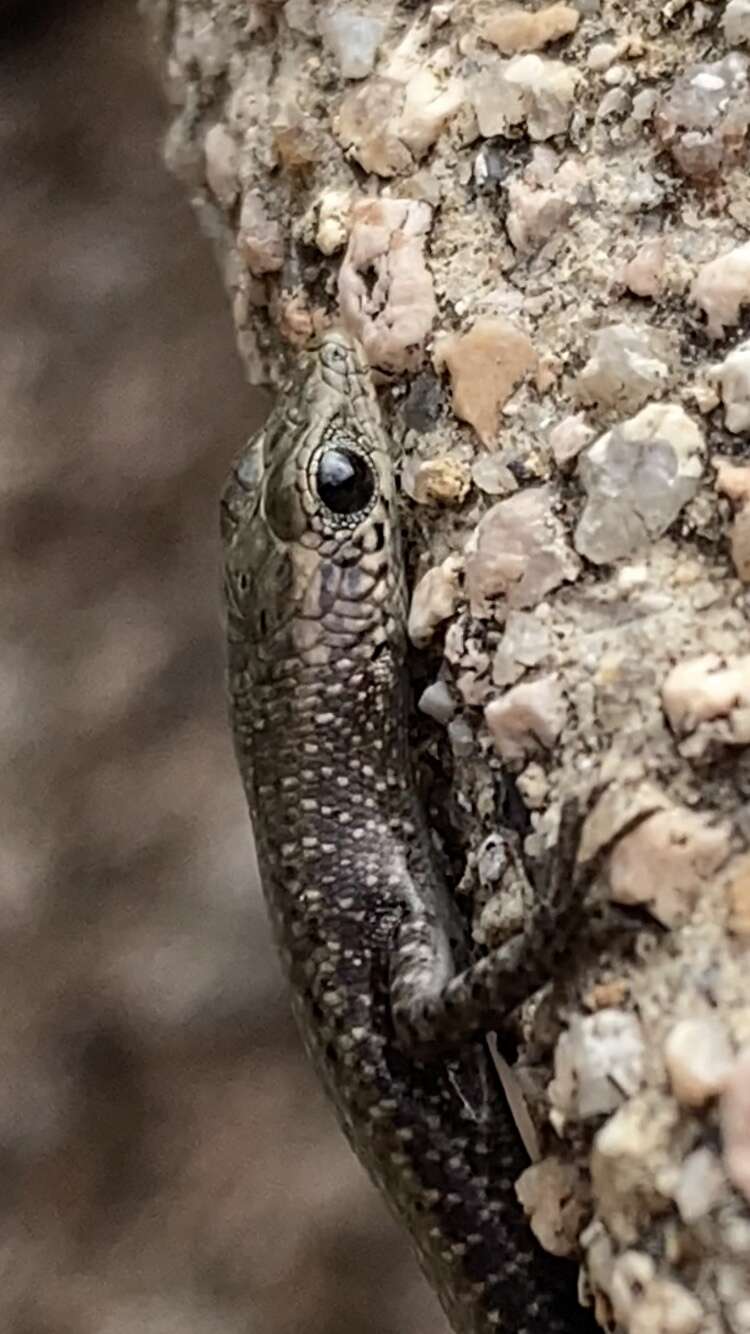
point(369, 937)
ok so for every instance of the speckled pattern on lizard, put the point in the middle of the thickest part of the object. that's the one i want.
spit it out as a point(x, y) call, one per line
point(368, 934)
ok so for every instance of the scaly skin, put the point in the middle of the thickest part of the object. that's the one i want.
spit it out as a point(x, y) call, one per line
point(368, 935)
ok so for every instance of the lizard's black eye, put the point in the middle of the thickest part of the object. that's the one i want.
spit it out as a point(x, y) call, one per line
point(345, 481)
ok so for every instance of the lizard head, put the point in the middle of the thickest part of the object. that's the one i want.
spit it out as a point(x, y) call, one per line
point(312, 559)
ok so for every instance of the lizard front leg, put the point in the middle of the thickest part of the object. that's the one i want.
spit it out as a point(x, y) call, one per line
point(432, 1011)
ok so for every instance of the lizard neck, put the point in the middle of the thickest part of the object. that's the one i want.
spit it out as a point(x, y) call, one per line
point(330, 786)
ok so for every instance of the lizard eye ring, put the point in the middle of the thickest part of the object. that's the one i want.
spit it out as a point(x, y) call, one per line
point(345, 480)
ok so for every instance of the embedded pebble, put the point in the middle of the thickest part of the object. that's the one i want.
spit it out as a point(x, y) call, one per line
point(444, 480)
point(601, 56)
point(739, 544)
point(699, 1186)
point(722, 288)
point(422, 404)
point(473, 679)
point(568, 438)
point(298, 143)
point(614, 103)
point(300, 15)
point(698, 1057)
point(644, 104)
point(667, 861)
point(517, 30)
point(733, 378)
point(366, 125)
point(704, 116)
point(527, 89)
point(606, 995)
point(493, 476)
point(660, 1306)
point(637, 478)
point(732, 479)
point(552, 1197)
point(533, 785)
point(259, 237)
point(621, 803)
point(437, 702)
point(738, 898)
point(386, 124)
point(434, 599)
point(485, 365)
point(623, 370)
point(702, 689)
point(535, 214)
point(461, 738)
point(518, 552)
point(222, 164)
point(493, 860)
point(735, 1123)
point(629, 1149)
point(632, 1271)
point(598, 1063)
point(525, 643)
point(429, 104)
point(527, 718)
point(385, 288)
point(736, 21)
point(334, 208)
point(353, 39)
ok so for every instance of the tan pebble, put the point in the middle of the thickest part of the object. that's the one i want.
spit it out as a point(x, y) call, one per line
point(631, 1274)
point(605, 994)
point(701, 689)
point(386, 293)
point(601, 56)
point(732, 479)
point(568, 438)
point(259, 237)
point(699, 1186)
point(444, 480)
point(722, 287)
point(666, 862)
point(553, 1198)
point(528, 717)
point(644, 274)
point(485, 365)
point(704, 396)
point(738, 897)
point(548, 371)
point(733, 377)
point(334, 207)
point(435, 598)
point(735, 1123)
point(429, 105)
point(222, 161)
point(666, 1307)
point(518, 30)
point(366, 124)
point(517, 552)
point(739, 544)
point(698, 1057)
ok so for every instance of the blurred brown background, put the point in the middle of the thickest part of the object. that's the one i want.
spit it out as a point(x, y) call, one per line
point(167, 1162)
